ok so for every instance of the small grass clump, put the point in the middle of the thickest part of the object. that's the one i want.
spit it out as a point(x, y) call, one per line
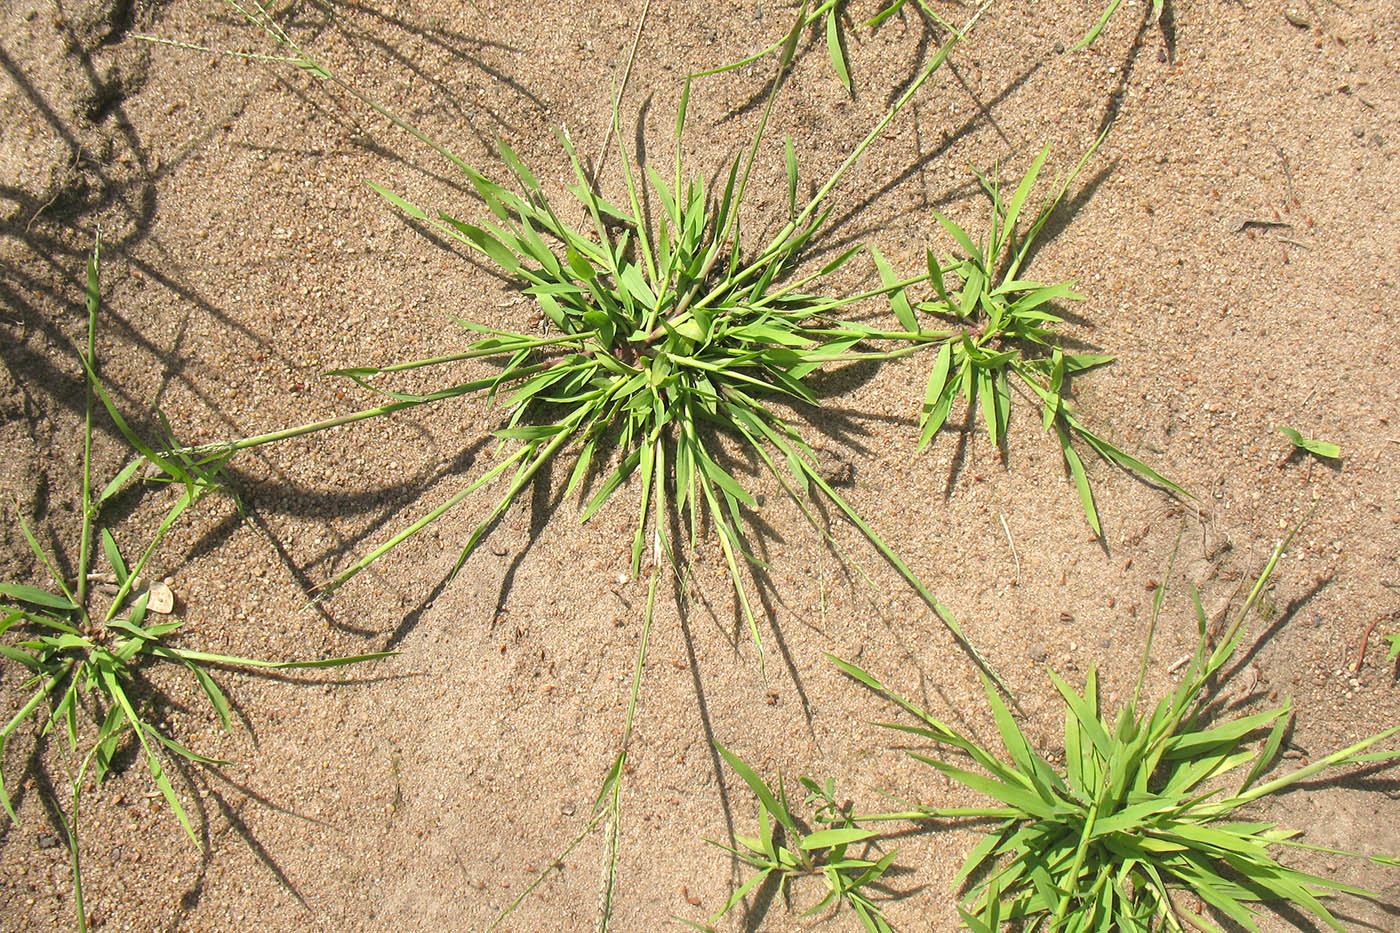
point(1144, 811)
point(86, 653)
point(786, 850)
point(1003, 328)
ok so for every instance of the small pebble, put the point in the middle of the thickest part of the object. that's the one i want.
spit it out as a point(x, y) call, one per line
point(48, 841)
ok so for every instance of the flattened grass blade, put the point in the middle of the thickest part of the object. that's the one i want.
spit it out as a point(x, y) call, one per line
point(833, 47)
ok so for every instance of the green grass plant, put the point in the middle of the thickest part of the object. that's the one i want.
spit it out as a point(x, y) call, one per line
point(676, 355)
point(1323, 449)
point(786, 850)
point(1145, 813)
point(84, 654)
point(1003, 333)
point(671, 344)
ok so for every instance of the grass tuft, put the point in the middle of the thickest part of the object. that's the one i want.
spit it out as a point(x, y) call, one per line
point(1143, 816)
point(831, 17)
point(786, 850)
point(84, 652)
point(670, 341)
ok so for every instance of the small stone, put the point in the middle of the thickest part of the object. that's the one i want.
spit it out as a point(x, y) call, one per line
point(1358, 131)
point(1059, 48)
point(48, 841)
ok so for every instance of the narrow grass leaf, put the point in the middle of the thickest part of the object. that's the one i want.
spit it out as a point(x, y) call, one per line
point(829, 838)
point(1081, 480)
point(761, 791)
point(833, 46)
point(899, 301)
point(35, 596)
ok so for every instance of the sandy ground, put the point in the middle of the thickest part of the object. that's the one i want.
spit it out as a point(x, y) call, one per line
point(1237, 237)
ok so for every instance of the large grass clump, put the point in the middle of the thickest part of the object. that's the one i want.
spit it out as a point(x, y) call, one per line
point(1144, 816)
point(674, 350)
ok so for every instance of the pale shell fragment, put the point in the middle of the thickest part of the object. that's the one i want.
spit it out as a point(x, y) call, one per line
point(161, 599)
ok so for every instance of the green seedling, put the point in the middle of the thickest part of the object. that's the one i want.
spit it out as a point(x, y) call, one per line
point(786, 850)
point(83, 652)
point(1320, 448)
point(1394, 646)
point(1004, 332)
point(1143, 816)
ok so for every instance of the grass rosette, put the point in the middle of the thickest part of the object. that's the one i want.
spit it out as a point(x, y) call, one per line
point(1143, 812)
point(86, 654)
point(1003, 333)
